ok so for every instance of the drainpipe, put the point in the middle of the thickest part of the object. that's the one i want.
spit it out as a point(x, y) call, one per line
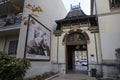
point(98, 27)
point(98, 24)
point(96, 9)
point(96, 48)
point(57, 49)
point(58, 52)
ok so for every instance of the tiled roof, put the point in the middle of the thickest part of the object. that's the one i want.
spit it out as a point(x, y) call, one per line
point(74, 13)
point(77, 16)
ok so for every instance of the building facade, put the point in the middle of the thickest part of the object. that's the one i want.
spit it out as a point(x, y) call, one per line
point(10, 24)
point(108, 18)
point(13, 32)
point(56, 41)
point(78, 42)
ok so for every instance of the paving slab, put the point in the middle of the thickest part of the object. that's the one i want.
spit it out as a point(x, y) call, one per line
point(72, 76)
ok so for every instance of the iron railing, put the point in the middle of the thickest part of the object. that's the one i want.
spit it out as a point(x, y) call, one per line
point(3, 1)
point(10, 20)
point(114, 4)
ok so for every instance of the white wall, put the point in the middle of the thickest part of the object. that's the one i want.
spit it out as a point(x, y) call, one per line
point(109, 25)
point(52, 10)
point(2, 43)
point(38, 68)
point(102, 6)
point(110, 35)
point(50, 13)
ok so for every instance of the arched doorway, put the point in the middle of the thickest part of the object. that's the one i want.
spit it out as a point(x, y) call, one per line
point(76, 52)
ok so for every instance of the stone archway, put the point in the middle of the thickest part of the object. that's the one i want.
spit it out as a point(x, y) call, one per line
point(77, 31)
point(76, 46)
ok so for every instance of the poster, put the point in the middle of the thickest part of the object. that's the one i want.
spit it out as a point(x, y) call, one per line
point(37, 40)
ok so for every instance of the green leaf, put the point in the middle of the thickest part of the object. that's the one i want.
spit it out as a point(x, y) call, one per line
point(12, 68)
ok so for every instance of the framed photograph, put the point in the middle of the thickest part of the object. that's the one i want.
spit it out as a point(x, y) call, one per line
point(38, 40)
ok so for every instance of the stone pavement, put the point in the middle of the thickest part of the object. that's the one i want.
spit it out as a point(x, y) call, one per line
point(73, 76)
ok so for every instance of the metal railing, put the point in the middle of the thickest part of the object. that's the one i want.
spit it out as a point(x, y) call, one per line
point(10, 20)
point(114, 4)
point(3, 1)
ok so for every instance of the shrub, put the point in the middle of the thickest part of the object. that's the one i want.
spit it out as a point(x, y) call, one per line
point(42, 76)
point(12, 68)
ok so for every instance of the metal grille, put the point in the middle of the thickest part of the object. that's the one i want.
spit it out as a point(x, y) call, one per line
point(114, 4)
point(3, 1)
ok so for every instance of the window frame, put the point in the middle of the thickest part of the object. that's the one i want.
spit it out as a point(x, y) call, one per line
point(13, 44)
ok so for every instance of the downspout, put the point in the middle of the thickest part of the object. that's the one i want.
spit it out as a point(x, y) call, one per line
point(96, 48)
point(98, 27)
point(58, 52)
point(96, 11)
point(57, 49)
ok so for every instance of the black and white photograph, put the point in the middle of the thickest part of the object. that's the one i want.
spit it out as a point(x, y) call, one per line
point(37, 41)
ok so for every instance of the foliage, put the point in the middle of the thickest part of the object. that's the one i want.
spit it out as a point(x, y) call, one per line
point(12, 68)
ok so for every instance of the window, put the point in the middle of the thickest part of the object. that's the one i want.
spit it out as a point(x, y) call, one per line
point(13, 47)
point(114, 4)
point(75, 37)
point(70, 38)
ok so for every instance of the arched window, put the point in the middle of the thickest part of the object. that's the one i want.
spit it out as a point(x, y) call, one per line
point(70, 38)
point(75, 37)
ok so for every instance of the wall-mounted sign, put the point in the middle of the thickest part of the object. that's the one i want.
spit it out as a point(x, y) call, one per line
point(92, 58)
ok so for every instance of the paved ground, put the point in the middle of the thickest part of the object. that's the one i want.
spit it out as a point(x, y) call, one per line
point(73, 76)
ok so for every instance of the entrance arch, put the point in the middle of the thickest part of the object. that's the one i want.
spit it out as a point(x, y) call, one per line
point(86, 37)
point(76, 51)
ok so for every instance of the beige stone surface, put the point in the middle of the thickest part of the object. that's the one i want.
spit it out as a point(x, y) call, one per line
point(73, 76)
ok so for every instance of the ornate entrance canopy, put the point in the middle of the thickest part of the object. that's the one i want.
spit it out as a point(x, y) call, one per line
point(76, 16)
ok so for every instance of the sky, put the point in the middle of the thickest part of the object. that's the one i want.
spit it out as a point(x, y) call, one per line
point(85, 5)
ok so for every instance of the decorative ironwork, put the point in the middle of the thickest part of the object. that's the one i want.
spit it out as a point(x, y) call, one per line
point(115, 4)
point(10, 12)
point(3, 1)
point(11, 20)
point(57, 32)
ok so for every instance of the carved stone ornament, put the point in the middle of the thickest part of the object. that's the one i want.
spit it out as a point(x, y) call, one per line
point(94, 29)
point(57, 32)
